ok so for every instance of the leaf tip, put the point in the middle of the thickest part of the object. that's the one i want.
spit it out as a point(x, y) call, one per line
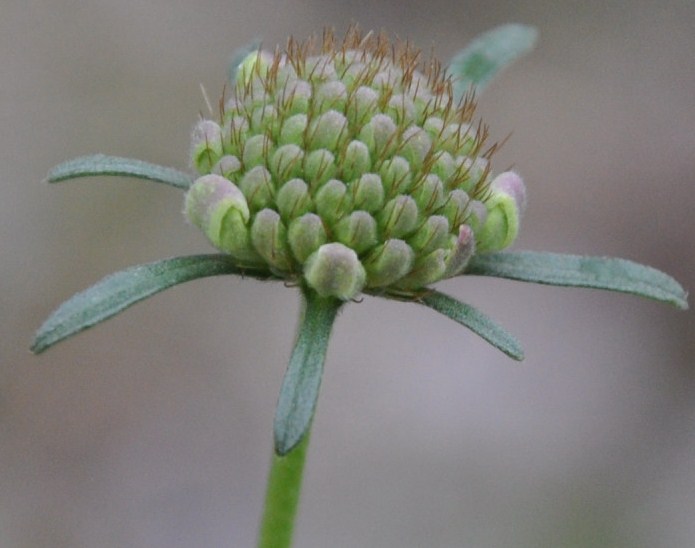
point(38, 345)
point(284, 441)
point(517, 354)
point(54, 175)
point(681, 302)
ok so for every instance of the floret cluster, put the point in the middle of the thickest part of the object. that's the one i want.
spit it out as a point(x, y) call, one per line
point(350, 167)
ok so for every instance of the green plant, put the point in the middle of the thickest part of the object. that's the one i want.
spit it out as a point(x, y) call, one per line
point(346, 169)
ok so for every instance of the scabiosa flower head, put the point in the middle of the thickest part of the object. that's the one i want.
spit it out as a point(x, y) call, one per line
point(350, 167)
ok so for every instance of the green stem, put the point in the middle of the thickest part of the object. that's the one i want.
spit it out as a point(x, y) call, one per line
point(293, 417)
point(282, 497)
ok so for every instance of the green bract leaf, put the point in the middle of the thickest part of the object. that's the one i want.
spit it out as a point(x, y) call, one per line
point(489, 53)
point(474, 320)
point(123, 289)
point(101, 164)
point(578, 271)
point(300, 387)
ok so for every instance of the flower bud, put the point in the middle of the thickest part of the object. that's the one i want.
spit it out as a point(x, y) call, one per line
point(335, 271)
point(256, 150)
point(292, 130)
point(505, 205)
point(320, 68)
point(232, 106)
point(293, 199)
point(457, 138)
point(286, 163)
point(331, 96)
point(444, 167)
point(477, 215)
point(434, 126)
point(269, 238)
point(255, 64)
point(295, 97)
point(429, 193)
point(305, 235)
point(333, 201)
point(368, 193)
point(358, 231)
point(206, 145)
point(416, 146)
point(252, 90)
point(399, 217)
point(510, 183)
point(433, 234)
point(209, 199)
point(401, 109)
point(354, 71)
point(396, 176)
point(216, 206)
point(426, 270)
point(356, 161)
point(455, 208)
point(387, 78)
point(257, 186)
point(460, 252)
point(388, 263)
point(227, 166)
point(234, 133)
point(470, 174)
point(264, 119)
point(327, 131)
point(285, 73)
point(319, 167)
point(362, 105)
point(379, 135)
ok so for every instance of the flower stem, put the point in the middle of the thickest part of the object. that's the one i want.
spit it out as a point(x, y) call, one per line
point(294, 414)
point(282, 497)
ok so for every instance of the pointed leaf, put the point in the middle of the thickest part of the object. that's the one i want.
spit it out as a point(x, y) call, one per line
point(300, 387)
point(579, 271)
point(476, 321)
point(101, 164)
point(488, 54)
point(123, 289)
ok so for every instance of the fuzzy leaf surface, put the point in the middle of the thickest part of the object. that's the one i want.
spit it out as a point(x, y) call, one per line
point(101, 164)
point(479, 62)
point(300, 386)
point(580, 271)
point(476, 321)
point(120, 290)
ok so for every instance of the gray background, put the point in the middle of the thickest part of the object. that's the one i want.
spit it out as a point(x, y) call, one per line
point(155, 429)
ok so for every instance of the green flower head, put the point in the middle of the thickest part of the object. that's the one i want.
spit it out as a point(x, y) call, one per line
point(348, 167)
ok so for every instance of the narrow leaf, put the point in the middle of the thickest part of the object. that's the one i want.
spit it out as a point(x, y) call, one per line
point(579, 271)
point(300, 387)
point(123, 289)
point(476, 321)
point(101, 164)
point(479, 62)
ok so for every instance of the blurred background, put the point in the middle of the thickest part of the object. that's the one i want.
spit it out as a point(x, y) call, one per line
point(155, 428)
